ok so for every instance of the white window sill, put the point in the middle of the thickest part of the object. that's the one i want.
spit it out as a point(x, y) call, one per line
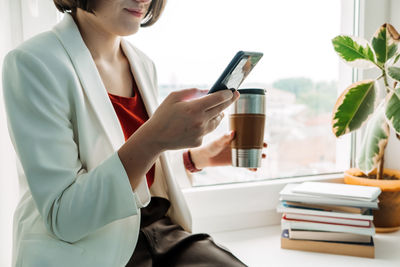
point(237, 206)
point(258, 247)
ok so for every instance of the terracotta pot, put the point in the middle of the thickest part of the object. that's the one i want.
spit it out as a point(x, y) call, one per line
point(387, 218)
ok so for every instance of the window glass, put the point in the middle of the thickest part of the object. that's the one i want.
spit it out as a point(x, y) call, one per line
point(194, 40)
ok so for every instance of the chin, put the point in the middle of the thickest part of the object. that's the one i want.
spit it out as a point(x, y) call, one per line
point(127, 33)
point(129, 30)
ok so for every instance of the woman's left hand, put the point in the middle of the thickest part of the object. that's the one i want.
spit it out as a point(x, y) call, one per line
point(216, 153)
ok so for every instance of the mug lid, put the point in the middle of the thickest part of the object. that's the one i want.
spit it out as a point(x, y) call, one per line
point(254, 91)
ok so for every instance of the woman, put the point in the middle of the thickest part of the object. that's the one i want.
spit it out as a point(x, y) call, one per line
point(83, 118)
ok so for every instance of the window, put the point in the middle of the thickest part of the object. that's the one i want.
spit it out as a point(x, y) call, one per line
point(194, 40)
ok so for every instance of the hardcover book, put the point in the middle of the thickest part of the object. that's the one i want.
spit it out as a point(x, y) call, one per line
point(316, 212)
point(287, 194)
point(328, 236)
point(366, 250)
point(327, 219)
point(330, 227)
point(343, 191)
point(327, 207)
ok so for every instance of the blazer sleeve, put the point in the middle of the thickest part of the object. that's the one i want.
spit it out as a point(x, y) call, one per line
point(72, 201)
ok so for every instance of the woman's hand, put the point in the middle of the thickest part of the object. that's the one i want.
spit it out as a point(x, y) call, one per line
point(181, 121)
point(216, 153)
point(185, 116)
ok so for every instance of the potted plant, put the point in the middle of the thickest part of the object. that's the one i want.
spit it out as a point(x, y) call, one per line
point(377, 103)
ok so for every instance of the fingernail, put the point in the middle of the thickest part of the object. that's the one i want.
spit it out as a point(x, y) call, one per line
point(229, 135)
point(228, 93)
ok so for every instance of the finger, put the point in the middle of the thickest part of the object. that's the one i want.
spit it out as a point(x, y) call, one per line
point(231, 136)
point(225, 139)
point(213, 123)
point(188, 94)
point(228, 136)
point(219, 108)
point(252, 169)
point(221, 115)
point(264, 156)
point(209, 101)
point(265, 145)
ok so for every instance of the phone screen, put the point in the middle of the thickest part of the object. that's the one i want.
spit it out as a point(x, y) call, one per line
point(235, 79)
point(237, 71)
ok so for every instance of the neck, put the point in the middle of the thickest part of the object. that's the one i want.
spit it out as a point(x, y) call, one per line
point(103, 45)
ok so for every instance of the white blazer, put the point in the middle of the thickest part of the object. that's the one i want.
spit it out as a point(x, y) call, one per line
point(77, 206)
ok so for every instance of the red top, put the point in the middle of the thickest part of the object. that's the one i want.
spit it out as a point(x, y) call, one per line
point(132, 114)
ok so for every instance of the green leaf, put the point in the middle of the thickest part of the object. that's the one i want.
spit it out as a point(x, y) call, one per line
point(392, 49)
point(374, 142)
point(384, 42)
point(351, 51)
point(394, 73)
point(353, 107)
point(396, 59)
point(393, 111)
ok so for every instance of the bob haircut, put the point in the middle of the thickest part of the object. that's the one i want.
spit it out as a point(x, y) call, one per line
point(152, 15)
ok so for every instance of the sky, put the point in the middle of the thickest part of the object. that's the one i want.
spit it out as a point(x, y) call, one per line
point(195, 39)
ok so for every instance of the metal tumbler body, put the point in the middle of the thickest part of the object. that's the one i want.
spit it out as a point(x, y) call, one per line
point(247, 119)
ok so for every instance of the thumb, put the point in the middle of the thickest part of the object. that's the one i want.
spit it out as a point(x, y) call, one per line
point(230, 136)
point(221, 143)
point(187, 94)
point(226, 138)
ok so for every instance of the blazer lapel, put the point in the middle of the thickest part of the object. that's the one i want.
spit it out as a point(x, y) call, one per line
point(69, 35)
point(143, 81)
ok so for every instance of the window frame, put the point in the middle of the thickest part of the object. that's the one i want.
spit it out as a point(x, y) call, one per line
point(253, 204)
point(240, 205)
point(342, 144)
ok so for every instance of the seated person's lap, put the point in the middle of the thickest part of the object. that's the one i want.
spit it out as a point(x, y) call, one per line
point(163, 243)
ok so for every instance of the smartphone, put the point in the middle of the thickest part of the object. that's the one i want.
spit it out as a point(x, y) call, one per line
point(237, 70)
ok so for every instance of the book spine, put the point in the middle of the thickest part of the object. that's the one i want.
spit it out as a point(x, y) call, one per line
point(293, 224)
point(309, 200)
point(329, 223)
point(327, 219)
point(365, 251)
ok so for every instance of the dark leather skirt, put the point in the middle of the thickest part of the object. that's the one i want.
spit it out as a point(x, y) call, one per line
point(163, 243)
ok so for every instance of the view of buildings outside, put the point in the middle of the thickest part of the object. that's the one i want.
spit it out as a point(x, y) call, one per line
point(194, 41)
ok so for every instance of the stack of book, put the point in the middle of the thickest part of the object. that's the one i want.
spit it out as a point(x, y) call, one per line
point(329, 217)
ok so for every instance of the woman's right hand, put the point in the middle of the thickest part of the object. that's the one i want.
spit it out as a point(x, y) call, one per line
point(181, 121)
point(185, 116)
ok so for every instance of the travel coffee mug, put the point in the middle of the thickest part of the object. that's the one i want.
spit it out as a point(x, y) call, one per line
point(247, 119)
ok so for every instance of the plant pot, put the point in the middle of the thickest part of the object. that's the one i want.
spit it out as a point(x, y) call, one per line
point(387, 218)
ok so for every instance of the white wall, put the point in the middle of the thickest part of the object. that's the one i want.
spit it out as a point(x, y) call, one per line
point(37, 16)
point(394, 17)
point(19, 20)
point(11, 34)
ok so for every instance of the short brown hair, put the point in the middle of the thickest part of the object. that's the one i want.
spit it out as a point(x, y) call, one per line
point(152, 15)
